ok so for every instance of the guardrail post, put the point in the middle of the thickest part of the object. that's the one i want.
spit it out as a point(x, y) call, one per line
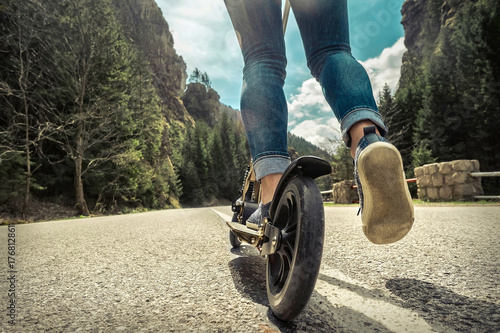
point(344, 193)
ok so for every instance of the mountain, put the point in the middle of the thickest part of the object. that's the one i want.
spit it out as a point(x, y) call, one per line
point(144, 24)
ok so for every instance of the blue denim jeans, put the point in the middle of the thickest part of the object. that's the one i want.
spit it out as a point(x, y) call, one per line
point(324, 30)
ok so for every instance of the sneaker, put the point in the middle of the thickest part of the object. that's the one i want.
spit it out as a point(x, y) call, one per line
point(386, 206)
point(254, 221)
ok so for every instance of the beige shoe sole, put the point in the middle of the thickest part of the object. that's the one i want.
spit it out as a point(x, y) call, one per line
point(388, 213)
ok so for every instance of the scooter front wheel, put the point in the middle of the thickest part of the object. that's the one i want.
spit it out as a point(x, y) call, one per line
point(292, 271)
point(235, 242)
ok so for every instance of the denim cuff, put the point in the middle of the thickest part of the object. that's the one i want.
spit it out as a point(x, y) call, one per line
point(357, 115)
point(269, 164)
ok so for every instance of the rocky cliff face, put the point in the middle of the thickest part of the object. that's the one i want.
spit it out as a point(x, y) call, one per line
point(413, 14)
point(422, 21)
point(145, 25)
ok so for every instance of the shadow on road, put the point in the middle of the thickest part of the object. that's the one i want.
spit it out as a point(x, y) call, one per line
point(249, 276)
point(443, 305)
point(248, 272)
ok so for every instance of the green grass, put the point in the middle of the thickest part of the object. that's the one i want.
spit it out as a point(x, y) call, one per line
point(330, 204)
point(418, 202)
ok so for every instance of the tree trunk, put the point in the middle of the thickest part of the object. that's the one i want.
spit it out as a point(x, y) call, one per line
point(26, 201)
point(80, 197)
point(22, 85)
point(28, 168)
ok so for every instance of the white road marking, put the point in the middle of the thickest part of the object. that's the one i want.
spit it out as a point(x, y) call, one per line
point(350, 297)
point(223, 216)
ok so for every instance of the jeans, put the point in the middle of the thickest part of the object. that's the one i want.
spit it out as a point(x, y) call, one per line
point(324, 30)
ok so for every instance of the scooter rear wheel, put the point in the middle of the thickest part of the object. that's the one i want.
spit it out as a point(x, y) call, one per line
point(292, 271)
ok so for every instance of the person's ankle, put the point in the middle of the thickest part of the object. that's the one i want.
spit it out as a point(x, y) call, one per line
point(356, 133)
point(268, 185)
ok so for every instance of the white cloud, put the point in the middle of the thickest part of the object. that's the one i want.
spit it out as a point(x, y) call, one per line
point(318, 131)
point(310, 98)
point(310, 116)
point(386, 68)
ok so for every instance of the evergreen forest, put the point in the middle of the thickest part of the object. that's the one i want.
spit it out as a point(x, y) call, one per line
point(98, 114)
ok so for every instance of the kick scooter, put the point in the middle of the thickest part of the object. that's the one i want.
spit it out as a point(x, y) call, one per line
point(291, 239)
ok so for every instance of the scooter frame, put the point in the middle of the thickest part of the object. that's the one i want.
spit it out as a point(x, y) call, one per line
point(265, 236)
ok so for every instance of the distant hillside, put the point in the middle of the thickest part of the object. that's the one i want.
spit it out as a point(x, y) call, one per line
point(233, 114)
point(298, 146)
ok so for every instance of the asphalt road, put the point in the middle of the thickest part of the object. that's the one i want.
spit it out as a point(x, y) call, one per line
point(174, 271)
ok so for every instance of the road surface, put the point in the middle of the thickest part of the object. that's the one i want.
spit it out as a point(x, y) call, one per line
point(174, 271)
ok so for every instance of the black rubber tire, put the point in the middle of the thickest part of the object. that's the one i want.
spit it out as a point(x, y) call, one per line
point(235, 242)
point(293, 270)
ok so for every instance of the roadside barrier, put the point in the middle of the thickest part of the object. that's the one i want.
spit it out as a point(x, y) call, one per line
point(458, 180)
point(486, 174)
point(449, 181)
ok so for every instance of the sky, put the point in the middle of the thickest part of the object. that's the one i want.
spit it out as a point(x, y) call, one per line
point(204, 37)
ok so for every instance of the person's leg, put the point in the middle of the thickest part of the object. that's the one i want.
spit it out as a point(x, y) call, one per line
point(386, 207)
point(258, 26)
point(324, 29)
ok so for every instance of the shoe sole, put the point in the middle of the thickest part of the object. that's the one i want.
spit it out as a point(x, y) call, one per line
point(388, 212)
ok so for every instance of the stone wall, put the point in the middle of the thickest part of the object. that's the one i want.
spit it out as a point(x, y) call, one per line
point(343, 193)
point(448, 181)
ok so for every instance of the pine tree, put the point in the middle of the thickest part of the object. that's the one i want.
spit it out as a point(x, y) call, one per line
point(189, 172)
point(195, 77)
point(142, 175)
point(227, 176)
point(205, 79)
point(476, 42)
point(95, 64)
point(385, 101)
point(400, 124)
point(342, 166)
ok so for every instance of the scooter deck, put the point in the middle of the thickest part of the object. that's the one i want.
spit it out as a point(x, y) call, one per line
point(244, 233)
